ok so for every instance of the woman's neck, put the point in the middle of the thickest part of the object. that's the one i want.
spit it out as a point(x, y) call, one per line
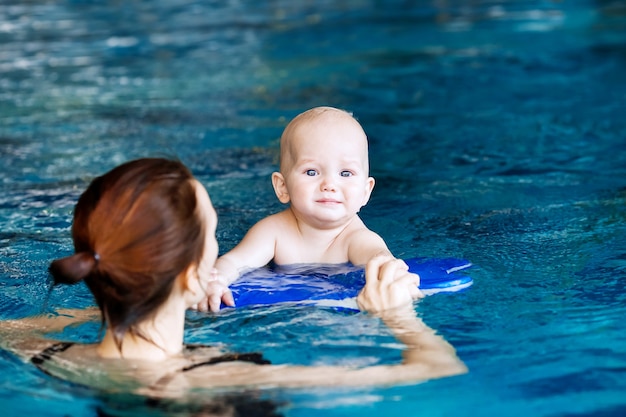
point(156, 339)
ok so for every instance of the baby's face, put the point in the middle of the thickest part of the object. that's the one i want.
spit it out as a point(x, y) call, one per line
point(326, 169)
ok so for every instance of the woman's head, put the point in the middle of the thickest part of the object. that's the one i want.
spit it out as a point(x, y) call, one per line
point(136, 229)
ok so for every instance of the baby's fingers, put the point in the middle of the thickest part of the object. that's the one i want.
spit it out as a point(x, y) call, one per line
point(227, 299)
point(215, 301)
point(202, 305)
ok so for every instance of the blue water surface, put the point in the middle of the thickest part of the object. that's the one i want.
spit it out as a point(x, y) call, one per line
point(497, 134)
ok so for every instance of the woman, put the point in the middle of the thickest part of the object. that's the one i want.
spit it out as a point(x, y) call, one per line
point(144, 238)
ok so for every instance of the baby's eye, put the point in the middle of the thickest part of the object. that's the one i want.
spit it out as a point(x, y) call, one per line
point(346, 173)
point(311, 172)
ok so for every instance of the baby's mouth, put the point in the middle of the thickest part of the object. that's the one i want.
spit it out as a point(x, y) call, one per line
point(328, 201)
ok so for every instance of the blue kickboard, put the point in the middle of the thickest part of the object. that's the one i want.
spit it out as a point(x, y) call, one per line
point(265, 286)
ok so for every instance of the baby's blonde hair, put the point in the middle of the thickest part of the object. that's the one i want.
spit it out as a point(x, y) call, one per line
point(286, 151)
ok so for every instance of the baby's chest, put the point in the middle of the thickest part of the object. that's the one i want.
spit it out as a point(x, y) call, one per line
point(299, 251)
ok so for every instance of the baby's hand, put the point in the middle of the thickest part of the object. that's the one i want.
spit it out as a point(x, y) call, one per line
point(217, 292)
point(388, 285)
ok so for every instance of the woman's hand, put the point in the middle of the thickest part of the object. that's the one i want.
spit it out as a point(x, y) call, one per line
point(388, 285)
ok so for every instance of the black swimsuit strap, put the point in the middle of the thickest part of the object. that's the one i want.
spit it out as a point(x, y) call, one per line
point(254, 357)
point(45, 355)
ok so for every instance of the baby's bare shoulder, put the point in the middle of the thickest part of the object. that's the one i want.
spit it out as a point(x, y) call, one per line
point(358, 230)
point(364, 235)
point(268, 229)
point(280, 220)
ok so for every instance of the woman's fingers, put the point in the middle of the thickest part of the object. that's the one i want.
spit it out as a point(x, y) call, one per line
point(410, 282)
point(372, 267)
point(388, 284)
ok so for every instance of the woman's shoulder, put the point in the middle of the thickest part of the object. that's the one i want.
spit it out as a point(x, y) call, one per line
point(81, 364)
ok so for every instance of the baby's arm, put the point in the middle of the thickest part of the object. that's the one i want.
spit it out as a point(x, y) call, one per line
point(364, 245)
point(255, 250)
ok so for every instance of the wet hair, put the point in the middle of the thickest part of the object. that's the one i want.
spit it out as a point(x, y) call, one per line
point(135, 230)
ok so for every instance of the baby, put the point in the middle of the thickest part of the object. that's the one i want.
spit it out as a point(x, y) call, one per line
point(324, 176)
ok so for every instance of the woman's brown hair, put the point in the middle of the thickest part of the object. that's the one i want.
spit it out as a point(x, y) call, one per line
point(135, 230)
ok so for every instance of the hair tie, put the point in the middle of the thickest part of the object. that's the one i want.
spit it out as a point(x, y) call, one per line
point(96, 257)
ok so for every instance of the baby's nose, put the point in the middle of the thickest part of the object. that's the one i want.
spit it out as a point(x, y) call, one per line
point(327, 184)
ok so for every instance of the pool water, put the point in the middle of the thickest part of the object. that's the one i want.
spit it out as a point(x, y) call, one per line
point(497, 134)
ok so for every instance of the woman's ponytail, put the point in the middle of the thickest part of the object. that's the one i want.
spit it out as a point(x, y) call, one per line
point(73, 269)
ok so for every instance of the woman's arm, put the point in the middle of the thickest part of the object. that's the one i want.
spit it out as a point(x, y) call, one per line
point(387, 295)
point(26, 337)
point(52, 322)
point(389, 292)
point(427, 356)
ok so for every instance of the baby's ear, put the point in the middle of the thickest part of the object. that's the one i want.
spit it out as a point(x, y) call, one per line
point(280, 188)
point(369, 186)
